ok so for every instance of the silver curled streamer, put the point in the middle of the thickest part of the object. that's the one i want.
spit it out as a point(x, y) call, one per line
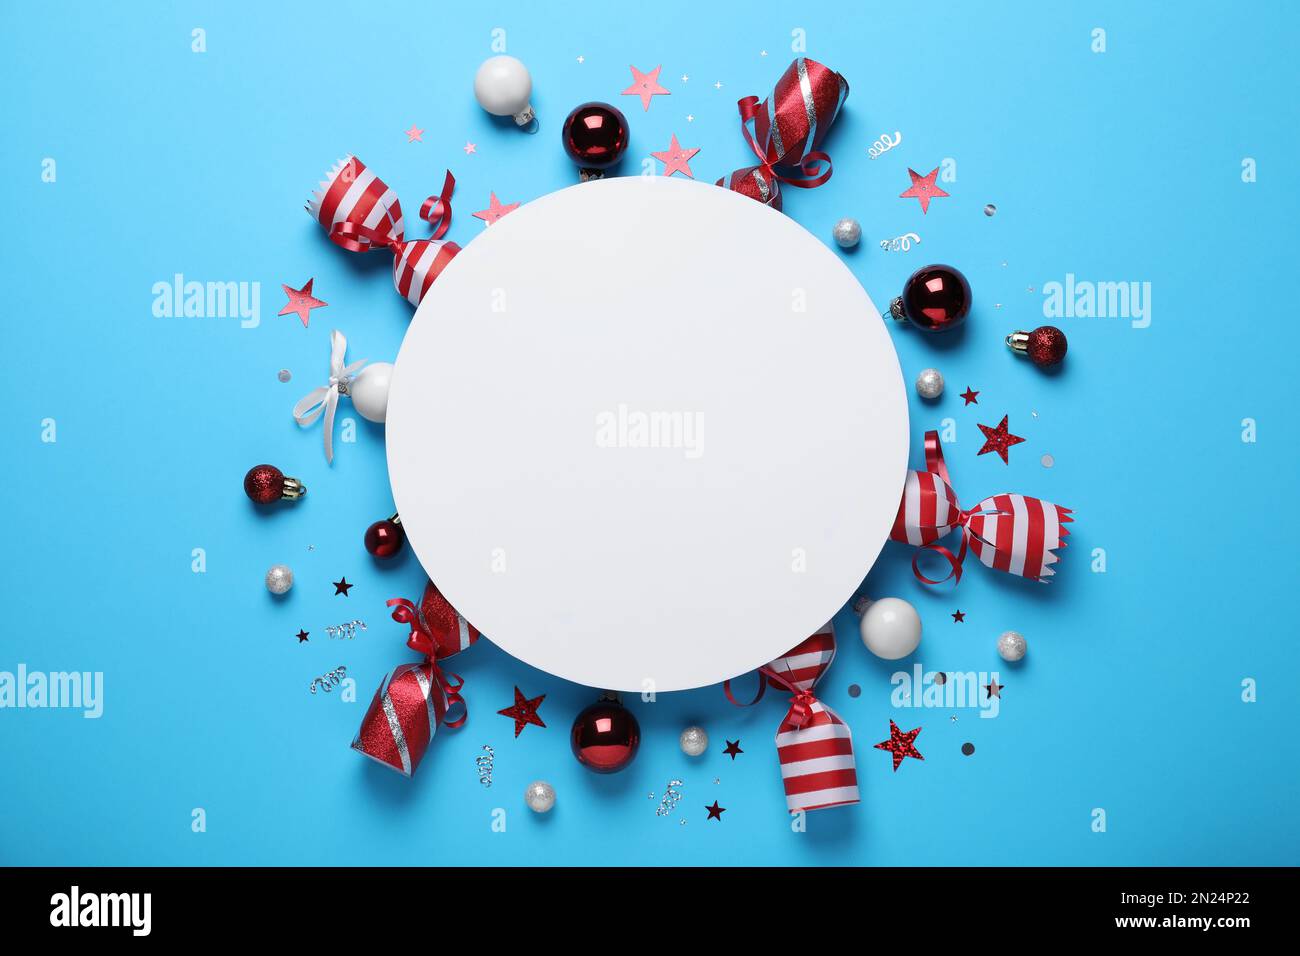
point(348, 629)
point(484, 763)
point(672, 797)
point(884, 144)
point(330, 680)
point(900, 243)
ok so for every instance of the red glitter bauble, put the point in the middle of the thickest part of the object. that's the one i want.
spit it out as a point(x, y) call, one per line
point(1046, 346)
point(605, 737)
point(264, 484)
point(595, 135)
point(384, 539)
point(936, 298)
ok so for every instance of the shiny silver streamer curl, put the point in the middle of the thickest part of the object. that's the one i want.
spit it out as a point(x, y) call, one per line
point(884, 144)
point(330, 680)
point(900, 243)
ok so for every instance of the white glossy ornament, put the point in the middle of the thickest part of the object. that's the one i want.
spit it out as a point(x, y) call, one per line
point(540, 796)
point(693, 741)
point(1012, 646)
point(369, 391)
point(891, 628)
point(503, 87)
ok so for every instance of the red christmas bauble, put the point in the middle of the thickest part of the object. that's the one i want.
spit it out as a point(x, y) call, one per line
point(384, 539)
point(1046, 346)
point(595, 135)
point(266, 483)
point(605, 737)
point(936, 298)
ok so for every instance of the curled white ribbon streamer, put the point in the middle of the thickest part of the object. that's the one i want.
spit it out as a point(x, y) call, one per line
point(325, 399)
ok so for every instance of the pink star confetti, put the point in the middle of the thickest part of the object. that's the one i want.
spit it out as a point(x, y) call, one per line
point(414, 134)
point(646, 85)
point(301, 301)
point(470, 148)
point(675, 158)
point(495, 210)
point(923, 188)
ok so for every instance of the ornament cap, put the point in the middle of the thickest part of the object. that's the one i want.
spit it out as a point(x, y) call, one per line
point(896, 309)
point(586, 175)
point(1018, 341)
point(292, 489)
point(525, 116)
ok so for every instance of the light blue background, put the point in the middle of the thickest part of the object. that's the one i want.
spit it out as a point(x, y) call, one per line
point(1122, 166)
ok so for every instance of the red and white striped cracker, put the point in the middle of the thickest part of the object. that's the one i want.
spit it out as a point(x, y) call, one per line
point(403, 717)
point(793, 121)
point(451, 632)
point(817, 766)
point(350, 196)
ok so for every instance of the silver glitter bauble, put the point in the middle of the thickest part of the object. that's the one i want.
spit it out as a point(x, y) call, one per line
point(929, 384)
point(847, 233)
point(540, 796)
point(694, 741)
point(279, 578)
point(1012, 646)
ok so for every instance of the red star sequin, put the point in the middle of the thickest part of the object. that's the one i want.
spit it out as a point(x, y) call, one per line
point(959, 617)
point(970, 396)
point(715, 812)
point(999, 439)
point(923, 188)
point(675, 159)
point(900, 744)
point(733, 748)
point(496, 210)
point(646, 85)
point(993, 689)
point(301, 302)
point(524, 711)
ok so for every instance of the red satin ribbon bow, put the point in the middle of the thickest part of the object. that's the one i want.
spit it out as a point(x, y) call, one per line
point(421, 641)
point(1012, 533)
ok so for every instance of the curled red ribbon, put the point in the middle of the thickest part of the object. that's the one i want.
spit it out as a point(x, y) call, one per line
point(801, 700)
point(421, 640)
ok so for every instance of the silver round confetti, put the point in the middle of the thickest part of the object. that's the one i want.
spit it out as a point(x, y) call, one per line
point(1012, 646)
point(279, 578)
point(929, 384)
point(847, 233)
point(990, 209)
point(693, 741)
point(540, 796)
point(284, 375)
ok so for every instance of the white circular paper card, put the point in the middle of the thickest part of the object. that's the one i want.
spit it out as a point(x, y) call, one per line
point(647, 434)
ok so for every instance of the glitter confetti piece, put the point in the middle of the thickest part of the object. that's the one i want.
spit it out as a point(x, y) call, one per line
point(900, 243)
point(884, 144)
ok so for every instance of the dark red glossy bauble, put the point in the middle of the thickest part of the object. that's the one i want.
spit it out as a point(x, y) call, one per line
point(595, 136)
point(384, 539)
point(266, 483)
point(605, 737)
point(936, 298)
point(1046, 346)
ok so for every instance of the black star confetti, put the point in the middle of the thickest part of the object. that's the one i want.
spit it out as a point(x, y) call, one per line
point(993, 689)
point(958, 617)
point(302, 636)
point(733, 748)
point(341, 586)
point(715, 812)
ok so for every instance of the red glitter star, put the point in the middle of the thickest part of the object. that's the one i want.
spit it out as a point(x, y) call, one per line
point(495, 210)
point(675, 158)
point(715, 812)
point(969, 395)
point(301, 301)
point(999, 439)
point(646, 85)
point(900, 744)
point(923, 188)
point(524, 711)
point(958, 617)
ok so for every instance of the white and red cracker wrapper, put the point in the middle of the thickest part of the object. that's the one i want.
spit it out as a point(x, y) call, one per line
point(814, 746)
point(789, 127)
point(359, 212)
point(414, 700)
point(1010, 533)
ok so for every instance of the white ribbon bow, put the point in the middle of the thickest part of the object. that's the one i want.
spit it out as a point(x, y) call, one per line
point(326, 398)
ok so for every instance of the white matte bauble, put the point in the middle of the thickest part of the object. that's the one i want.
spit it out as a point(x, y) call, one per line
point(891, 628)
point(503, 87)
point(369, 391)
